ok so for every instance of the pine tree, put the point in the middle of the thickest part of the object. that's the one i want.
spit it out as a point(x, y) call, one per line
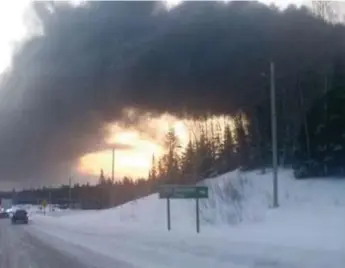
point(153, 168)
point(102, 179)
point(327, 132)
point(228, 157)
point(153, 175)
point(216, 145)
point(103, 191)
point(242, 148)
point(188, 162)
point(161, 172)
point(171, 159)
point(204, 159)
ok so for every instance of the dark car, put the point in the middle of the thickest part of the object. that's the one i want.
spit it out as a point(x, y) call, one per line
point(20, 216)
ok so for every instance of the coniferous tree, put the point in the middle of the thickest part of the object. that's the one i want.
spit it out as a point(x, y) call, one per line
point(204, 159)
point(171, 159)
point(228, 156)
point(161, 172)
point(242, 146)
point(153, 168)
point(101, 179)
point(327, 132)
point(188, 162)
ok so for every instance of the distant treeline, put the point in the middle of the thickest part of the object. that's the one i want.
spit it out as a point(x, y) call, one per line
point(86, 196)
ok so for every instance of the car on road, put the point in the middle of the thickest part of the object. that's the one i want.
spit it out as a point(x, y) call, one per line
point(20, 216)
point(10, 212)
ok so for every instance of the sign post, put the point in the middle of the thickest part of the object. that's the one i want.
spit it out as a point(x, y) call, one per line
point(168, 214)
point(183, 192)
point(197, 216)
point(44, 205)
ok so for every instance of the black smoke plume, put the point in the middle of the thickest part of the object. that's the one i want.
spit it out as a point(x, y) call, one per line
point(95, 60)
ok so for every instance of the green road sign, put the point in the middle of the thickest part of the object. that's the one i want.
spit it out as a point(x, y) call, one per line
point(183, 192)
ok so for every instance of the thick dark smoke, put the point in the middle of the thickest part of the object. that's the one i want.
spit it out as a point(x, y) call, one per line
point(97, 59)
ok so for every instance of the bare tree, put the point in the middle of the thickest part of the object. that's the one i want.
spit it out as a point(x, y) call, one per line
point(332, 11)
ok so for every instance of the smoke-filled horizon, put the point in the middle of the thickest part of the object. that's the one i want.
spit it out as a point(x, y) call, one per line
point(96, 60)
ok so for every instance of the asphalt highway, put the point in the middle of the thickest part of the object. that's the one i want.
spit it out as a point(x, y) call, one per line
point(23, 247)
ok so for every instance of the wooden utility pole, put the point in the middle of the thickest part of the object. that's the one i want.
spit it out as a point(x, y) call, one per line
point(70, 193)
point(274, 135)
point(113, 165)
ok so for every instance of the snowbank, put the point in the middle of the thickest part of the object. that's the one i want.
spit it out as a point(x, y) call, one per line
point(238, 227)
point(237, 202)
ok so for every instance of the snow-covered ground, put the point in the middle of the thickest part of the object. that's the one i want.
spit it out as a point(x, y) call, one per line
point(238, 227)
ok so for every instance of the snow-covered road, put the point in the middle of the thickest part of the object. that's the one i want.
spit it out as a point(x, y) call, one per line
point(19, 249)
point(22, 246)
point(137, 248)
point(45, 245)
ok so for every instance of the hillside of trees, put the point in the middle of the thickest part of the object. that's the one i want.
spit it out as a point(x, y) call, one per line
point(104, 194)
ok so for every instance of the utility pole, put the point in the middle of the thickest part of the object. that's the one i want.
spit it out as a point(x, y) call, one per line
point(70, 192)
point(113, 165)
point(50, 201)
point(274, 135)
point(110, 189)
